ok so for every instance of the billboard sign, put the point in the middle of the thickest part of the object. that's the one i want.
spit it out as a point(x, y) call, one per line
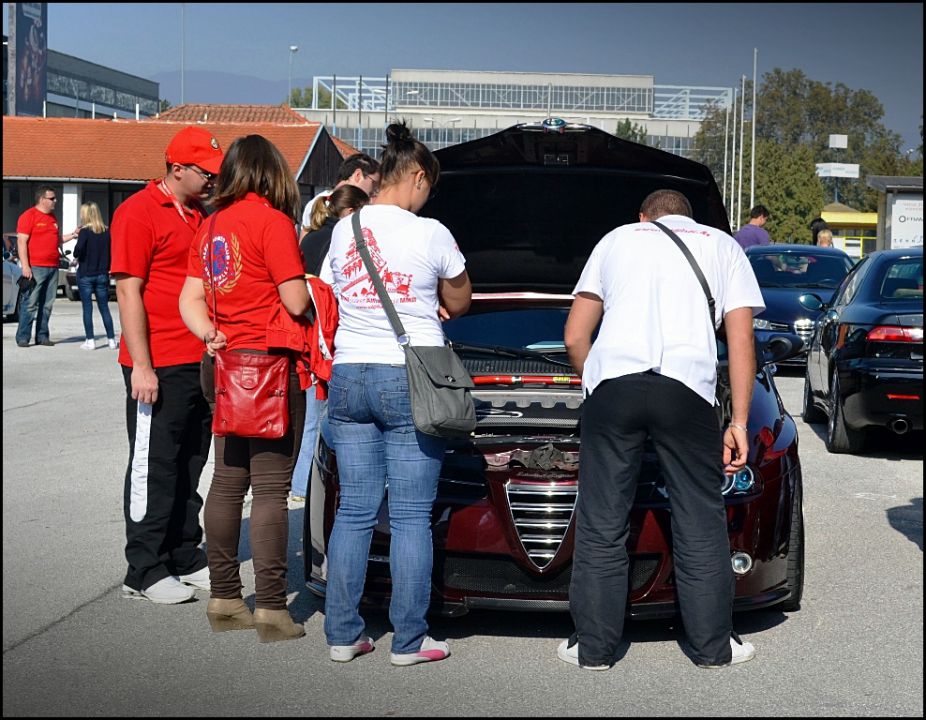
point(906, 221)
point(846, 170)
point(30, 69)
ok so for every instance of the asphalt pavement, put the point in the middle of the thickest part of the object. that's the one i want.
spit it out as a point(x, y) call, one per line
point(73, 647)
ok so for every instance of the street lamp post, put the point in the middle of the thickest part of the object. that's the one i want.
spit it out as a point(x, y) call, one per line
point(444, 123)
point(293, 49)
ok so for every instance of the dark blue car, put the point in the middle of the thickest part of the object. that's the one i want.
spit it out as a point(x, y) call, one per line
point(865, 358)
point(785, 272)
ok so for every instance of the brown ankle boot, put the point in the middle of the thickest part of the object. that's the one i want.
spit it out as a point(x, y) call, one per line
point(230, 614)
point(276, 625)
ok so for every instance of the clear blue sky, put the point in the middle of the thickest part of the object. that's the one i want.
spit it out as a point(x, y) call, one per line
point(877, 47)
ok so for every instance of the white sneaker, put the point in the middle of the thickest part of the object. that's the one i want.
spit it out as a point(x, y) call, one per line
point(430, 651)
point(89, 344)
point(570, 654)
point(168, 591)
point(199, 579)
point(346, 653)
point(741, 650)
point(113, 345)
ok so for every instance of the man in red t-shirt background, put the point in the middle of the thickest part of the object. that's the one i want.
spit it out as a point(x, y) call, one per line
point(39, 245)
point(168, 420)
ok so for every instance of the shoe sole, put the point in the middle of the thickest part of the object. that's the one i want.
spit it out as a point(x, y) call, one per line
point(347, 653)
point(573, 661)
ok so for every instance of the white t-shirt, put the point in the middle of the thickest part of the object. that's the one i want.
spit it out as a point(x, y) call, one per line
point(655, 312)
point(411, 254)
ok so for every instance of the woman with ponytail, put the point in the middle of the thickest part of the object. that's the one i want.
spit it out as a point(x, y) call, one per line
point(369, 410)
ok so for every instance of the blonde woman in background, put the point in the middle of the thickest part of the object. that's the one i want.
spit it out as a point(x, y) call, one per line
point(93, 253)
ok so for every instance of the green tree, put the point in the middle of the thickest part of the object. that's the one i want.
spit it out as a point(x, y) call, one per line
point(302, 98)
point(165, 105)
point(629, 130)
point(795, 113)
point(789, 187)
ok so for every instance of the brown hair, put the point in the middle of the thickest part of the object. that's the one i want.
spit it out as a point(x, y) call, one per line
point(403, 153)
point(346, 197)
point(254, 164)
point(665, 202)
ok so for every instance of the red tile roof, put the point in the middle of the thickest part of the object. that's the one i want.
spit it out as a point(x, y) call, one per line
point(211, 114)
point(343, 148)
point(85, 149)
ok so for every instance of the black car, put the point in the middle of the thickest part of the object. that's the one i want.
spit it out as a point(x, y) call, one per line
point(865, 358)
point(785, 272)
point(527, 205)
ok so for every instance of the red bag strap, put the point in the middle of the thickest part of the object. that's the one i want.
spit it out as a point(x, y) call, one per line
point(215, 317)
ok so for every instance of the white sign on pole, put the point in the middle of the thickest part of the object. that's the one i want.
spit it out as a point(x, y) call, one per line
point(906, 222)
point(846, 170)
point(839, 141)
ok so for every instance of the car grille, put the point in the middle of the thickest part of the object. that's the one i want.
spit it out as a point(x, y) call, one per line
point(504, 577)
point(541, 515)
point(516, 366)
point(803, 328)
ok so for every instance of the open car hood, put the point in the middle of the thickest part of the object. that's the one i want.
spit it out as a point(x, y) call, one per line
point(528, 204)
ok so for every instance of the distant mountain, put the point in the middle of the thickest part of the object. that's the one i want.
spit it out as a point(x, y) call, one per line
point(223, 88)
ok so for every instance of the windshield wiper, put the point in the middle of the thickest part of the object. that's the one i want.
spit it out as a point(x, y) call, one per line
point(507, 352)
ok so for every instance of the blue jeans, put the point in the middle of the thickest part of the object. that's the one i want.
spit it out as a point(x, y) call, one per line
point(315, 411)
point(98, 284)
point(370, 420)
point(41, 296)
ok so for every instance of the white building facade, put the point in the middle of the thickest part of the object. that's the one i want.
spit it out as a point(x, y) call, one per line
point(446, 107)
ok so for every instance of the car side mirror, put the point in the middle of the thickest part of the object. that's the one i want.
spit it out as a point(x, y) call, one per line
point(780, 347)
point(812, 301)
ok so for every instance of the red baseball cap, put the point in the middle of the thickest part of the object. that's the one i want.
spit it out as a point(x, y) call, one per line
point(195, 146)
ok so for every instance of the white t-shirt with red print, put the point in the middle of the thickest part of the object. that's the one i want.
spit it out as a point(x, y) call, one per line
point(411, 254)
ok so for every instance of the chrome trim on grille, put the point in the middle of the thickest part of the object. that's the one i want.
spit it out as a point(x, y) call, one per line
point(532, 513)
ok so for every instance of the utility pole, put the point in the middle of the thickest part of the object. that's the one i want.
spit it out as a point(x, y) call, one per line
point(752, 178)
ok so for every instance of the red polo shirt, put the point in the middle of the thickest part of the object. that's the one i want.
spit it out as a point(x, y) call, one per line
point(254, 249)
point(150, 240)
point(42, 229)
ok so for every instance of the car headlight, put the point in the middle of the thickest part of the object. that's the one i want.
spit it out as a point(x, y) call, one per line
point(761, 324)
point(742, 481)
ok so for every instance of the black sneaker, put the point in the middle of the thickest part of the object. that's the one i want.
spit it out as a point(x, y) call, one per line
point(46, 342)
point(22, 344)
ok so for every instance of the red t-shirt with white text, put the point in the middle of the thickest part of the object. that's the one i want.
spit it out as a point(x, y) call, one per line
point(42, 229)
point(254, 249)
point(150, 240)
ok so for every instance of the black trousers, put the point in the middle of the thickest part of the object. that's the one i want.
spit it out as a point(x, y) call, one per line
point(616, 420)
point(168, 447)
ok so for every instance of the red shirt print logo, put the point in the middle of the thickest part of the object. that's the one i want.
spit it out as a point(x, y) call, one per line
point(223, 268)
point(359, 288)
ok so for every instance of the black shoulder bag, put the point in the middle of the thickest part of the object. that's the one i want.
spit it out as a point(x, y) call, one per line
point(438, 384)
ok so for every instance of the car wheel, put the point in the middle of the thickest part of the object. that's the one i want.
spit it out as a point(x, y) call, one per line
point(795, 577)
point(71, 293)
point(810, 412)
point(19, 302)
point(840, 438)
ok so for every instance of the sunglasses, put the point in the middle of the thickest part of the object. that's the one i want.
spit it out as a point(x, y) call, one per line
point(207, 176)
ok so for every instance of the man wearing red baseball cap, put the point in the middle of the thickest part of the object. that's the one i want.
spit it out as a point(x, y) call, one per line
point(168, 420)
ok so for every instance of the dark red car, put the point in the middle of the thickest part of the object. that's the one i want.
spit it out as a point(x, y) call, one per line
point(526, 206)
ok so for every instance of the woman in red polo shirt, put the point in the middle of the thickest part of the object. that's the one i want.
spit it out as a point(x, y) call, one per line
point(248, 252)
